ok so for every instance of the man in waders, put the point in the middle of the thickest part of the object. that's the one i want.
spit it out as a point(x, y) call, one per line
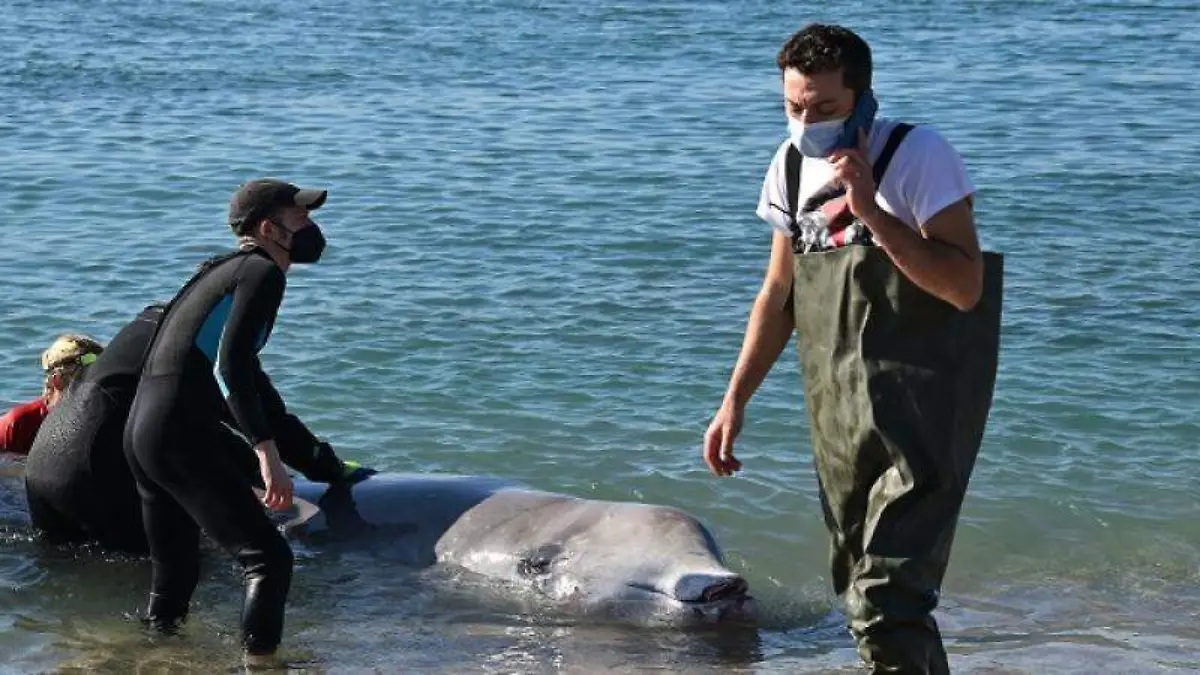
point(875, 264)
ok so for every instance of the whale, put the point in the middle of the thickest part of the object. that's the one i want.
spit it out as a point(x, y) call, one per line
point(613, 560)
point(647, 563)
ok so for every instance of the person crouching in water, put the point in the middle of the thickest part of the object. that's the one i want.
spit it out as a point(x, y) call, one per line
point(208, 340)
point(78, 484)
point(62, 362)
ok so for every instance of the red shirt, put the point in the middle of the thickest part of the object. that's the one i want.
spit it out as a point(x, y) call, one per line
point(19, 425)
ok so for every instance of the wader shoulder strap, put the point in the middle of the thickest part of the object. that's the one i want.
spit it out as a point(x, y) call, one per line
point(885, 158)
point(791, 171)
point(795, 161)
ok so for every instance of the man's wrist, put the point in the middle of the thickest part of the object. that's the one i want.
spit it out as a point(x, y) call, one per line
point(884, 227)
point(876, 218)
point(736, 399)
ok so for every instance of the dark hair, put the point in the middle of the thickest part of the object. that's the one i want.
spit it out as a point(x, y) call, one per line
point(822, 48)
point(246, 225)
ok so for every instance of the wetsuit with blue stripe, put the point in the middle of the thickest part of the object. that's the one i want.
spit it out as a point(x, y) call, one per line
point(208, 342)
point(77, 480)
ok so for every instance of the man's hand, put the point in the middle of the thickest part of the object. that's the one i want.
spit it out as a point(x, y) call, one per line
point(944, 259)
point(275, 477)
point(852, 168)
point(718, 441)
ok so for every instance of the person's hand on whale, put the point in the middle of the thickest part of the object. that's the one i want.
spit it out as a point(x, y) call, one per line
point(327, 467)
point(353, 472)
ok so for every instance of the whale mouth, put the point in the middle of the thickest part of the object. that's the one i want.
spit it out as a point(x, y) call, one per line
point(707, 588)
point(716, 598)
point(725, 589)
point(707, 599)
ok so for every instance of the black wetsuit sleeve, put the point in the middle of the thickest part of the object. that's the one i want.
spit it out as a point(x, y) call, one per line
point(295, 442)
point(273, 405)
point(298, 447)
point(252, 314)
point(287, 427)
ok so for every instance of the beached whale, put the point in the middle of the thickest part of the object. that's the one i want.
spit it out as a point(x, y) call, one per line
point(622, 560)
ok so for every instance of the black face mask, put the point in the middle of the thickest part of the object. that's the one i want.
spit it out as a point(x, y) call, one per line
point(307, 244)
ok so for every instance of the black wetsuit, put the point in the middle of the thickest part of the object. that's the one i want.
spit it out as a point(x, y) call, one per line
point(218, 321)
point(77, 480)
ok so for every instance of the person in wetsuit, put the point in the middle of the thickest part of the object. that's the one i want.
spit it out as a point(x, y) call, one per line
point(207, 344)
point(73, 493)
point(77, 481)
point(62, 362)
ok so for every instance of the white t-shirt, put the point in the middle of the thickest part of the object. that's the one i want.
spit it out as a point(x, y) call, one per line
point(926, 175)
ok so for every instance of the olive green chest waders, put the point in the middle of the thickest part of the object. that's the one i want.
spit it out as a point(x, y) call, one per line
point(898, 385)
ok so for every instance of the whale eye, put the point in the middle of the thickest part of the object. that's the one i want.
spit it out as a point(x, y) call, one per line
point(539, 561)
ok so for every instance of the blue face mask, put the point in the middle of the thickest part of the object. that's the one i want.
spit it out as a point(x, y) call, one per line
point(816, 139)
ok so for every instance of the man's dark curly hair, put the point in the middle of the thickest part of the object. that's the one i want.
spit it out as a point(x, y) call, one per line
point(821, 48)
